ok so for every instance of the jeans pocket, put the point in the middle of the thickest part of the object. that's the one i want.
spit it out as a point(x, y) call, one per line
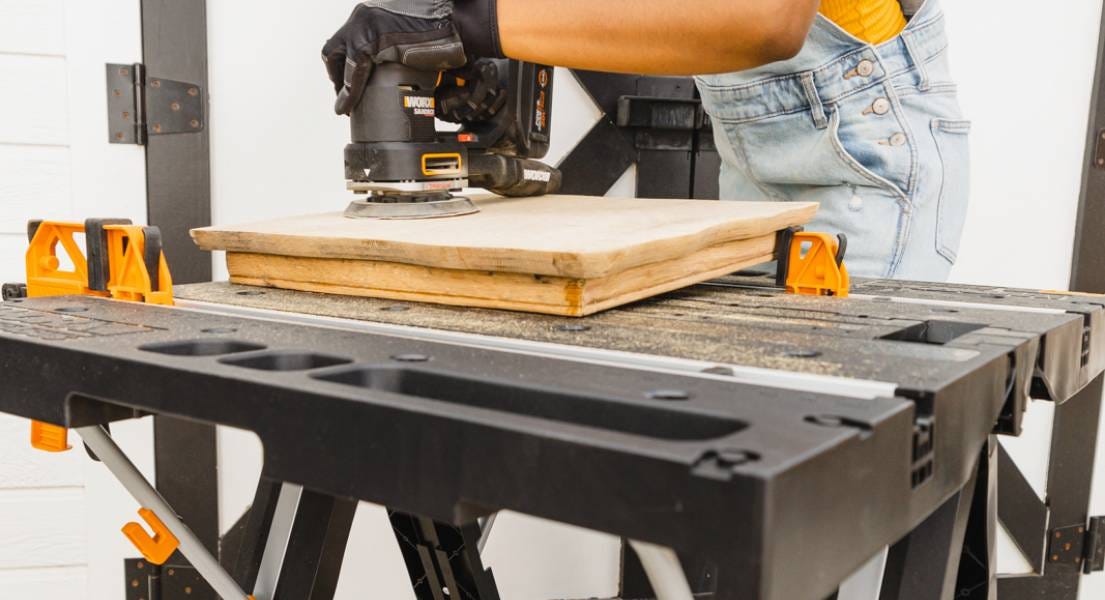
point(867, 174)
point(951, 137)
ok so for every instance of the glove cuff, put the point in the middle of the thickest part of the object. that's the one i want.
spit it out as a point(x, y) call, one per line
point(478, 22)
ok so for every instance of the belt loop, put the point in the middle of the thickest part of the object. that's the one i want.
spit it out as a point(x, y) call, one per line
point(816, 107)
point(917, 60)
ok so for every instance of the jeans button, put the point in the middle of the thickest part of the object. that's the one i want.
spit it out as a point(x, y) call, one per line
point(865, 68)
point(898, 139)
point(880, 106)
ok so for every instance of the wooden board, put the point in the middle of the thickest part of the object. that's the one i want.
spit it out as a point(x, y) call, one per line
point(561, 255)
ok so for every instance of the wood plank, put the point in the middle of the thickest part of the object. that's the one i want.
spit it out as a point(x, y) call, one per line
point(32, 27)
point(42, 528)
point(34, 184)
point(561, 236)
point(500, 290)
point(35, 100)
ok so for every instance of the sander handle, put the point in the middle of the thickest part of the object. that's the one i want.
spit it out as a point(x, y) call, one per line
point(512, 176)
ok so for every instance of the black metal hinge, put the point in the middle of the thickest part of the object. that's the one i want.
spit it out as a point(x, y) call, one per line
point(140, 105)
point(1080, 546)
point(147, 581)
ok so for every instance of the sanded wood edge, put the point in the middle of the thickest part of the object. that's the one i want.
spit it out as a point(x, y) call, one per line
point(649, 280)
point(484, 289)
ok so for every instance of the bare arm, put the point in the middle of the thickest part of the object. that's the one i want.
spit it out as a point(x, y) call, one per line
point(663, 37)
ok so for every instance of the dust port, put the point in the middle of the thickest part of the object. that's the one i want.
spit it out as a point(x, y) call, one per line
point(645, 418)
point(214, 347)
point(285, 361)
point(441, 164)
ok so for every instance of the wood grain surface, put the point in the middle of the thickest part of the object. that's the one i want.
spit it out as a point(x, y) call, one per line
point(576, 237)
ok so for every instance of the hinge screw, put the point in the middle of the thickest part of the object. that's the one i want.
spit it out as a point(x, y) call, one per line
point(125, 72)
point(155, 83)
point(175, 106)
point(193, 91)
point(157, 127)
point(195, 123)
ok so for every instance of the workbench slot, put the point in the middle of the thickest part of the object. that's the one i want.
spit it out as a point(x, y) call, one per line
point(211, 347)
point(933, 332)
point(647, 418)
point(285, 360)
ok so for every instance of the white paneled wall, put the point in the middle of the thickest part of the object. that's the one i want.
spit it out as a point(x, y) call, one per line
point(60, 514)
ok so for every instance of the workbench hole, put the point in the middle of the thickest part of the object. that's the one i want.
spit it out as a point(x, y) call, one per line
point(837, 421)
point(395, 308)
point(573, 328)
point(212, 347)
point(802, 354)
point(668, 395)
point(251, 293)
point(71, 309)
point(551, 403)
point(411, 358)
point(220, 330)
point(933, 332)
point(285, 361)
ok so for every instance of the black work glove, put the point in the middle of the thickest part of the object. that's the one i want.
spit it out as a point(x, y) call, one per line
point(416, 33)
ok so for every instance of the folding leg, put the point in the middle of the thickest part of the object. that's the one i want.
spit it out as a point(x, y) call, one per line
point(443, 561)
point(924, 565)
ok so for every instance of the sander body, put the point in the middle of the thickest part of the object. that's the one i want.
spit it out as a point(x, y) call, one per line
point(406, 169)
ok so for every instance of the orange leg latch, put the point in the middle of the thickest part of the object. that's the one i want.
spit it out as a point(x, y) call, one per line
point(156, 548)
point(49, 438)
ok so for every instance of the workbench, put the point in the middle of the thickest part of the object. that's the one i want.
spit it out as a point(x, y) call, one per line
point(776, 442)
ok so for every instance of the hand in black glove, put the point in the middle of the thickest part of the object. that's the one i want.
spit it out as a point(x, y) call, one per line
point(416, 33)
point(473, 92)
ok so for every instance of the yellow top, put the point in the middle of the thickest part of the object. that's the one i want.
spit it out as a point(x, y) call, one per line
point(873, 21)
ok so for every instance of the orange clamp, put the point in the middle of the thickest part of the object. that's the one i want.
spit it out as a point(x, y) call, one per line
point(814, 267)
point(128, 266)
point(121, 261)
point(49, 438)
point(156, 548)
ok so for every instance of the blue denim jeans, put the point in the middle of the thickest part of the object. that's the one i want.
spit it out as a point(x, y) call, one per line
point(872, 133)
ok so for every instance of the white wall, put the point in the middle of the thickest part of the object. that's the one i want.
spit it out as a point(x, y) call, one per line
point(60, 514)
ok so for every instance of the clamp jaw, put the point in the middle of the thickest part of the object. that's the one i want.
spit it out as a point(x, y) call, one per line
point(812, 264)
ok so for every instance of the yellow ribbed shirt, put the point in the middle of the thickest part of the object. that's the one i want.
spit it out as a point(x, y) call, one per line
point(873, 21)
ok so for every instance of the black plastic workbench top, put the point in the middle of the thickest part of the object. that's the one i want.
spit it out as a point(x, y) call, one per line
point(918, 343)
point(789, 486)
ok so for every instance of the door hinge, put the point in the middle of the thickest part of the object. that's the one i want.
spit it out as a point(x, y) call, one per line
point(140, 105)
point(1080, 546)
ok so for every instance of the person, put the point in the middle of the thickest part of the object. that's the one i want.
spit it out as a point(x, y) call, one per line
point(847, 103)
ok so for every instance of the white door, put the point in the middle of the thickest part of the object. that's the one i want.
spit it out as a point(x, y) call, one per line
point(60, 514)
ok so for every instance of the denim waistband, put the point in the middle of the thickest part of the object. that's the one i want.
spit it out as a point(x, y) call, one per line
point(840, 76)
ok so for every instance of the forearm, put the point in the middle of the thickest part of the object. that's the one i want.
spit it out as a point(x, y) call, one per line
point(654, 36)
